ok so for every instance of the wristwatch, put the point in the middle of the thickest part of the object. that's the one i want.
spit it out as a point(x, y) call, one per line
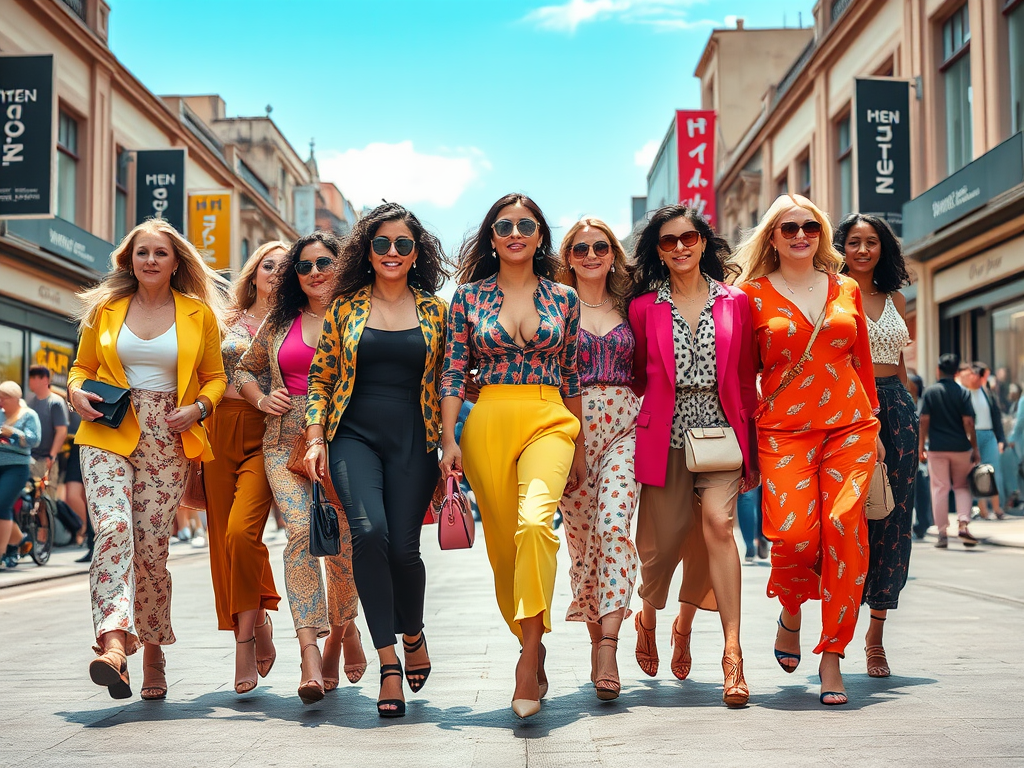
point(203, 413)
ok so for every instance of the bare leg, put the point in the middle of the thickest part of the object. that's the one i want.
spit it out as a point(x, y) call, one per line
point(245, 652)
point(724, 567)
point(312, 664)
point(606, 667)
point(831, 679)
point(527, 680)
point(391, 686)
point(789, 641)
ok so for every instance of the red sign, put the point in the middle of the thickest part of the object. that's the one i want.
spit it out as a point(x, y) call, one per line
point(695, 134)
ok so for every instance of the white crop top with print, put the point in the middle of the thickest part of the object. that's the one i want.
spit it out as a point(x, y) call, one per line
point(888, 335)
point(150, 364)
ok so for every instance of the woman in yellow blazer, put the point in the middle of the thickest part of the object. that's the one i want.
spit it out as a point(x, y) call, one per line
point(373, 384)
point(150, 326)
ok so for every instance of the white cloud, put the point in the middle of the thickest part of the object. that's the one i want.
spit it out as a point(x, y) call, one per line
point(398, 172)
point(569, 15)
point(644, 156)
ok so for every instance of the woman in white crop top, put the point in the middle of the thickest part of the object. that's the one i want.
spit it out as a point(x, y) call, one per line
point(874, 259)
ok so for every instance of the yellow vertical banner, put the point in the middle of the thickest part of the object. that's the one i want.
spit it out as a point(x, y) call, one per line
point(209, 226)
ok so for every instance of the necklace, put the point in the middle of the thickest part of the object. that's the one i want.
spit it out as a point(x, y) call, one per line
point(258, 319)
point(313, 314)
point(390, 301)
point(142, 304)
point(701, 295)
point(785, 282)
point(595, 306)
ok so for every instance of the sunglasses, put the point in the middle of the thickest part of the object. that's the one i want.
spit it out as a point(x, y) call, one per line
point(580, 250)
point(504, 227)
point(323, 264)
point(789, 229)
point(669, 243)
point(381, 245)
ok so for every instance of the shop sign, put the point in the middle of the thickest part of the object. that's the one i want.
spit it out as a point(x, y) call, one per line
point(26, 136)
point(160, 186)
point(1002, 261)
point(65, 239)
point(967, 190)
point(55, 354)
point(209, 226)
point(27, 287)
point(695, 132)
point(882, 107)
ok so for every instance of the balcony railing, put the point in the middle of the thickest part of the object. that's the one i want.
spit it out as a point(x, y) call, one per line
point(794, 72)
point(839, 7)
point(77, 7)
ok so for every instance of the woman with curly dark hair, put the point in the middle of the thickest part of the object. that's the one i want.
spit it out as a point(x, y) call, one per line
point(695, 366)
point(873, 258)
point(373, 400)
point(522, 440)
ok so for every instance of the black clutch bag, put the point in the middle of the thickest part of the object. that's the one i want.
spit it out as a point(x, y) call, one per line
point(115, 402)
point(324, 532)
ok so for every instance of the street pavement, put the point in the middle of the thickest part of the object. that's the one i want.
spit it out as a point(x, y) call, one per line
point(955, 698)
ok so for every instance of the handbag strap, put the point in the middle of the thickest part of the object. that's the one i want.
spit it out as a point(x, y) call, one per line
point(796, 368)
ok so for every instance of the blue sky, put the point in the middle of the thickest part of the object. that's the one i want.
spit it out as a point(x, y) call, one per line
point(445, 105)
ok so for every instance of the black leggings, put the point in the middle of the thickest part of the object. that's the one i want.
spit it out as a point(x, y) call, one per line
point(385, 477)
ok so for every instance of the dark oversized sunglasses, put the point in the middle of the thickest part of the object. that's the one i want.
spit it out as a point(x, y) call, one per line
point(322, 264)
point(381, 245)
point(669, 243)
point(504, 227)
point(789, 229)
point(580, 250)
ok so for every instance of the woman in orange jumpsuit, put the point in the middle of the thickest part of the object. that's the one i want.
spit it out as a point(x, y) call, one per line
point(817, 435)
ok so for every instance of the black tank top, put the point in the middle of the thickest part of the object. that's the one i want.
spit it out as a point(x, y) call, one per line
point(392, 359)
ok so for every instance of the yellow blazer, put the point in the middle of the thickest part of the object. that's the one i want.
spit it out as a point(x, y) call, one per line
point(200, 372)
point(333, 372)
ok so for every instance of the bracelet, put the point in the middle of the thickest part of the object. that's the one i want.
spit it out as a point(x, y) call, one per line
point(259, 403)
point(314, 441)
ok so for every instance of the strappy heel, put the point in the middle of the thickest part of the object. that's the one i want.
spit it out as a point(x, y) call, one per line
point(681, 660)
point(646, 647)
point(310, 691)
point(781, 656)
point(354, 672)
point(608, 686)
point(416, 677)
point(264, 665)
point(248, 684)
point(331, 660)
point(734, 692)
point(878, 665)
point(110, 669)
point(154, 682)
point(390, 670)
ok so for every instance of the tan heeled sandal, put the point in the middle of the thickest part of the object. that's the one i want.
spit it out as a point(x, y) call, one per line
point(110, 669)
point(154, 682)
point(266, 663)
point(735, 692)
point(608, 685)
point(354, 672)
point(646, 647)
point(681, 660)
point(246, 684)
point(310, 691)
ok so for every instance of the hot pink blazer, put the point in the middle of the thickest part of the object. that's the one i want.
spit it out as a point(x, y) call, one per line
point(654, 378)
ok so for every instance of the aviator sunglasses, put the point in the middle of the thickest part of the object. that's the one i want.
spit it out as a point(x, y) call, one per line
point(580, 250)
point(669, 243)
point(504, 227)
point(789, 229)
point(322, 264)
point(381, 245)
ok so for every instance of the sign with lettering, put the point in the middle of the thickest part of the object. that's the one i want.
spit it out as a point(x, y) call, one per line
point(27, 147)
point(882, 107)
point(65, 239)
point(55, 354)
point(695, 133)
point(160, 186)
point(209, 226)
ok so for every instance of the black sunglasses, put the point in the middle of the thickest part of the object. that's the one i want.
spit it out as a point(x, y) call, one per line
point(323, 264)
point(381, 245)
point(789, 229)
point(669, 243)
point(580, 250)
point(504, 227)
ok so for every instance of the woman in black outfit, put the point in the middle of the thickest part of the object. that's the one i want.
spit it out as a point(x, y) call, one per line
point(373, 398)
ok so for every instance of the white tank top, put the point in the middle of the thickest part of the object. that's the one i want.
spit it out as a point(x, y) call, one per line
point(888, 335)
point(149, 363)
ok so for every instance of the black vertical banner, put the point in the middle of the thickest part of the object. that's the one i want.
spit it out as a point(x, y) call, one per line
point(883, 148)
point(26, 136)
point(160, 186)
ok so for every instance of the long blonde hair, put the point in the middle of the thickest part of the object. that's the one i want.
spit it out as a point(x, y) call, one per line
point(758, 257)
point(192, 277)
point(618, 282)
point(243, 290)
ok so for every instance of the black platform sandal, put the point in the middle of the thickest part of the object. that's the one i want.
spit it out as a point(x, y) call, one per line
point(390, 670)
point(417, 677)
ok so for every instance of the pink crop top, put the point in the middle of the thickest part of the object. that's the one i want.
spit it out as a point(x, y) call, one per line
point(295, 357)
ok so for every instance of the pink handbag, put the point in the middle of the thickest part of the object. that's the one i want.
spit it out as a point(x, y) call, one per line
point(456, 528)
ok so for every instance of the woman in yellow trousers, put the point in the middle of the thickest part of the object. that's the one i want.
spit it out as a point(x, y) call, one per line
point(520, 442)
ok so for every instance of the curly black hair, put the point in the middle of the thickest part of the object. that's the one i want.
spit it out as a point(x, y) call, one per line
point(649, 271)
point(891, 271)
point(289, 298)
point(477, 259)
point(428, 273)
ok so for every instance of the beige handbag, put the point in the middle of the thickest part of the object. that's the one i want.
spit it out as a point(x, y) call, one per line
point(880, 501)
point(712, 449)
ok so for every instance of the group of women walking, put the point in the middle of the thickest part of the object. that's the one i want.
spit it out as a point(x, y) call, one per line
point(608, 387)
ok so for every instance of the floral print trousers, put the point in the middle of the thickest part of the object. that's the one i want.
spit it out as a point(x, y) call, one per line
point(597, 515)
point(132, 500)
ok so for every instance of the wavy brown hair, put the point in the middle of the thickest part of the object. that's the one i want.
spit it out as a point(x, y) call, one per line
point(758, 257)
point(618, 282)
point(242, 294)
point(476, 256)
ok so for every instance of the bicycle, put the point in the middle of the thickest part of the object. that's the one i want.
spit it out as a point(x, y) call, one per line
point(34, 512)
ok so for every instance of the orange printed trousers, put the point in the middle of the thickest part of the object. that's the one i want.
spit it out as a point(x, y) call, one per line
point(815, 485)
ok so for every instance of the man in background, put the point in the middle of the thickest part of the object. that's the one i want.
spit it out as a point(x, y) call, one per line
point(53, 420)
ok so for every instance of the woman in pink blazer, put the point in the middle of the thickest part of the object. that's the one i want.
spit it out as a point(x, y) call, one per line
point(695, 366)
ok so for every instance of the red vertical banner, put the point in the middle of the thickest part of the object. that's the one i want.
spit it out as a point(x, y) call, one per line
point(695, 132)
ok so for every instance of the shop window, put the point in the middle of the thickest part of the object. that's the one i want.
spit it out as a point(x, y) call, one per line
point(1015, 26)
point(844, 161)
point(956, 74)
point(67, 166)
point(121, 195)
point(12, 354)
point(55, 354)
point(1008, 346)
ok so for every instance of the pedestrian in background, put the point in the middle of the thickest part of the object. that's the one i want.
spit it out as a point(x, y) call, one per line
point(522, 440)
point(922, 485)
point(373, 399)
point(53, 421)
point(281, 353)
point(947, 424)
point(238, 496)
point(695, 366)
point(150, 326)
point(817, 433)
point(598, 513)
point(988, 429)
point(19, 434)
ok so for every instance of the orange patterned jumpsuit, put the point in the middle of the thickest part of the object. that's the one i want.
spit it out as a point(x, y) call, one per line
point(816, 447)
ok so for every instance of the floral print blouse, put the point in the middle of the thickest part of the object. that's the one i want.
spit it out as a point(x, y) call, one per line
point(235, 343)
point(606, 359)
point(474, 334)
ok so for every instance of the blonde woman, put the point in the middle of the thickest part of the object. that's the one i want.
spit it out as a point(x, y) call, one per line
point(150, 326)
point(817, 432)
point(597, 514)
point(238, 496)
